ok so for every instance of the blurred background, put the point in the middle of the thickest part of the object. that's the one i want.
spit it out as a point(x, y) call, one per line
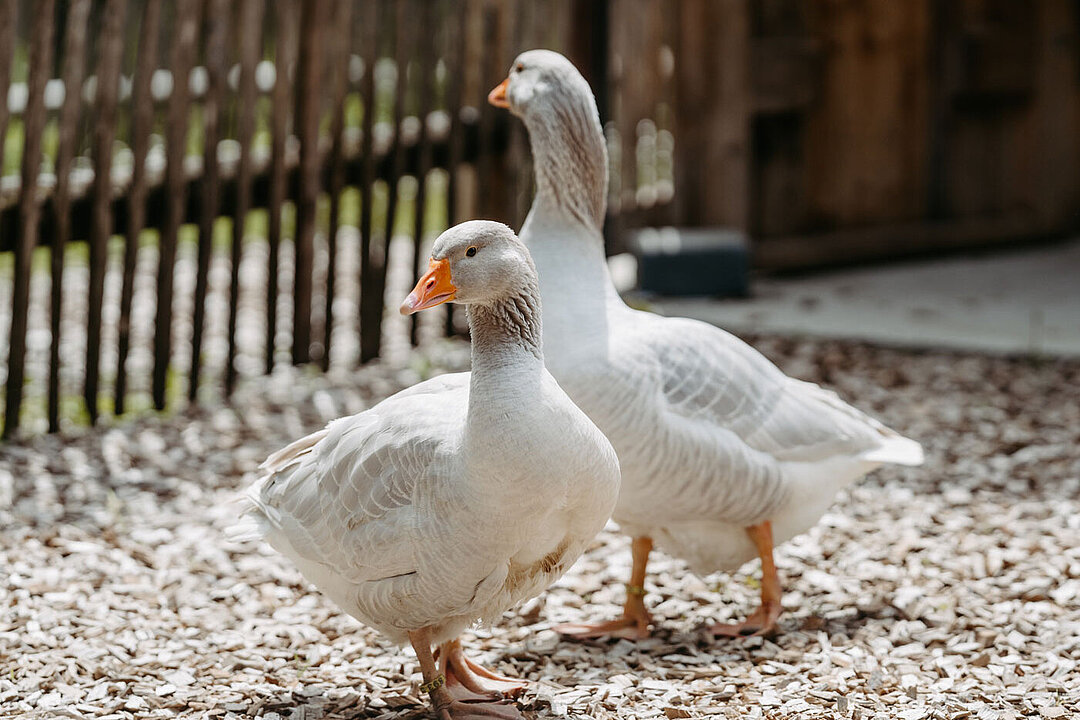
point(197, 191)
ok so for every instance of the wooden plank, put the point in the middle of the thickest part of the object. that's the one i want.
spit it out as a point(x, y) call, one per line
point(404, 49)
point(876, 243)
point(111, 46)
point(454, 54)
point(74, 70)
point(8, 13)
point(371, 302)
point(867, 133)
point(309, 73)
point(285, 21)
point(216, 63)
point(713, 135)
point(1046, 145)
point(249, 34)
point(142, 123)
point(40, 64)
point(518, 159)
point(490, 176)
point(784, 73)
point(381, 247)
point(341, 31)
point(181, 61)
point(426, 71)
point(729, 150)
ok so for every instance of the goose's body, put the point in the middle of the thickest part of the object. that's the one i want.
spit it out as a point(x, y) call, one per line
point(722, 454)
point(408, 515)
point(453, 500)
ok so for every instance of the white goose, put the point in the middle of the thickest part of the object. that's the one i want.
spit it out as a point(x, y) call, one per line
point(457, 498)
point(722, 454)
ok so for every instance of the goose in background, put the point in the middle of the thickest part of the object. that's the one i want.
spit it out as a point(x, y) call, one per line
point(457, 498)
point(723, 456)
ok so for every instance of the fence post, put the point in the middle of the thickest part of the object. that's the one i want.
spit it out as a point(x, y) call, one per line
point(217, 15)
point(285, 21)
point(371, 262)
point(142, 114)
point(108, 74)
point(712, 169)
point(341, 32)
point(250, 39)
point(309, 73)
point(74, 70)
point(40, 63)
point(182, 58)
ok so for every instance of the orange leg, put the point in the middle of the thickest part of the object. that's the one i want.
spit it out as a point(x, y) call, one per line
point(634, 623)
point(471, 681)
point(447, 705)
point(763, 620)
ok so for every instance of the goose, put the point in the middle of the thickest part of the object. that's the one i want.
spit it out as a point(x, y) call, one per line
point(456, 498)
point(723, 456)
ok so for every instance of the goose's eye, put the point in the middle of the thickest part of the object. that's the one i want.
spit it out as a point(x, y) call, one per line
point(520, 67)
point(470, 252)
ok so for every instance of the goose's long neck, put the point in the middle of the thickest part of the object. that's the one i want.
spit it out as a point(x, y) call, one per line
point(507, 355)
point(570, 160)
point(564, 229)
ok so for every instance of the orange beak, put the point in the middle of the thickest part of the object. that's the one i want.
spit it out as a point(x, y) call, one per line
point(434, 288)
point(497, 97)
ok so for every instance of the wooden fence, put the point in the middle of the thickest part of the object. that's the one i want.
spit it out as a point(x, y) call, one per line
point(135, 120)
point(142, 136)
point(840, 132)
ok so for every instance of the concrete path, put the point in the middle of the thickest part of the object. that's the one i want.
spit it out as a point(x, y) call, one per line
point(1025, 301)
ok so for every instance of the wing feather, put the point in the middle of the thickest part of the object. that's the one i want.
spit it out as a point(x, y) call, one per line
point(345, 497)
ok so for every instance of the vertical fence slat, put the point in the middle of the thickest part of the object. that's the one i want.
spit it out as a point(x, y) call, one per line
point(8, 12)
point(454, 57)
point(491, 175)
point(286, 54)
point(142, 104)
point(402, 52)
point(426, 84)
point(308, 75)
point(181, 61)
point(342, 25)
point(370, 303)
point(74, 70)
point(518, 161)
point(108, 84)
point(40, 64)
point(250, 37)
point(217, 19)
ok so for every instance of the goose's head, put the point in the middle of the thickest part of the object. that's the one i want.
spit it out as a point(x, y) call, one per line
point(478, 262)
point(557, 106)
point(542, 82)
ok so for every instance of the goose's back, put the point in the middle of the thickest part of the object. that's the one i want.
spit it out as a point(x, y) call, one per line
point(706, 428)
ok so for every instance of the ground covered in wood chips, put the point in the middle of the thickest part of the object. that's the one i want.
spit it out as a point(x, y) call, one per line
point(947, 591)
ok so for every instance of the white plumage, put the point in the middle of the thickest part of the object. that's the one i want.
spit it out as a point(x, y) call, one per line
point(457, 498)
point(712, 437)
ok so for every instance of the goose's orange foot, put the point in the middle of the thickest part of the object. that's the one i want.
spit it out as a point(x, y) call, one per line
point(624, 627)
point(761, 623)
point(471, 682)
point(633, 625)
point(460, 710)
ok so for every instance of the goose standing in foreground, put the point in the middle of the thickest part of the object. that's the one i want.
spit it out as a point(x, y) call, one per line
point(722, 454)
point(454, 499)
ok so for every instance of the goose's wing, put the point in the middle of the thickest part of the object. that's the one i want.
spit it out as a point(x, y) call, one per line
point(711, 376)
point(350, 496)
point(719, 429)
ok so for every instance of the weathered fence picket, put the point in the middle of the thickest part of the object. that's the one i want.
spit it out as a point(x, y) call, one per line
point(178, 112)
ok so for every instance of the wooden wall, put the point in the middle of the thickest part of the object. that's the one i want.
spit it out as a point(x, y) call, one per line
point(840, 131)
